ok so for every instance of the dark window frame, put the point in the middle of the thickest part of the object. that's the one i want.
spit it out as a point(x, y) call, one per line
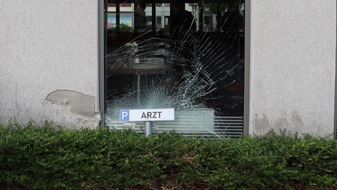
point(102, 50)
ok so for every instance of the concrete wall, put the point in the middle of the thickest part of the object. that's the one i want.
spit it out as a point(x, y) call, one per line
point(292, 66)
point(49, 61)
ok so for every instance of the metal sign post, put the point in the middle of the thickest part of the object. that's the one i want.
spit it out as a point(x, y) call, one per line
point(148, 128)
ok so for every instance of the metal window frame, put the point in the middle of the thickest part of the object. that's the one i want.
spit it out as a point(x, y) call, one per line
point(335, 103)
point(102, 73)
point(246, 96)
point(101, 60)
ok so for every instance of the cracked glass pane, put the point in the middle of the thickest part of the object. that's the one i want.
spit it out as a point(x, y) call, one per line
point(187, 56)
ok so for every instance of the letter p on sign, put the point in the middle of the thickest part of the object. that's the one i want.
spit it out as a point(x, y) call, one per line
point(124, 115)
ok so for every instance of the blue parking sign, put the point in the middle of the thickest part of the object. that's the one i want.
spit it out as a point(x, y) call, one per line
point(124, 115)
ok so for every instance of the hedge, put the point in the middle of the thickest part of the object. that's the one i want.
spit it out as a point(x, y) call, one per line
point(46, 157)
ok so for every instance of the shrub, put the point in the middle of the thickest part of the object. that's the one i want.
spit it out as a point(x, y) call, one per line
point(57, 158)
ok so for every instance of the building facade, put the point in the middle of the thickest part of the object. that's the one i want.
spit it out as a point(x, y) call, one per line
point(55, 62)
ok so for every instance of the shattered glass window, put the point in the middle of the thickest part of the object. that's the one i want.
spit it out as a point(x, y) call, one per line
point(188, 56)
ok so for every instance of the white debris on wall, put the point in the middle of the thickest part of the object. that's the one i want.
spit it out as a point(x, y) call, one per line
point(76, 105)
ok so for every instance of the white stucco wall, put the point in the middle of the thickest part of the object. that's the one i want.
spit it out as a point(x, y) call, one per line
point(49, 61)
point(49, 47)
point(292, 66)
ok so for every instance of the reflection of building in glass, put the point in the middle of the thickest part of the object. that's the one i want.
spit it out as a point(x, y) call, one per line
point(126, 15)
point(162, 15)
point(124, 19)
point(128, 12)
point(162, 10)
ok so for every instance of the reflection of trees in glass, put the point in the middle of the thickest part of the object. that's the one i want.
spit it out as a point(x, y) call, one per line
point(215, 7)
point(125, 27)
